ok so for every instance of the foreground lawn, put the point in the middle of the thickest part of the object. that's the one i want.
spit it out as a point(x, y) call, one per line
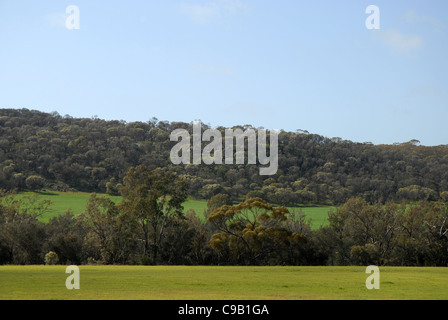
point(221, 283)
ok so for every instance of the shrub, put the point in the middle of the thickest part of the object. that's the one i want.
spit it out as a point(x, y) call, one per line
point(35, 182)
point(51, 258)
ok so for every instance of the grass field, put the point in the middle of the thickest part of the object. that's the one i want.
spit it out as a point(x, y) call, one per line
point(221, 283)
point(77, 201)
point(63, 201)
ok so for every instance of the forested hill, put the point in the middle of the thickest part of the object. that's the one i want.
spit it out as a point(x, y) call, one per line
point(62, 153)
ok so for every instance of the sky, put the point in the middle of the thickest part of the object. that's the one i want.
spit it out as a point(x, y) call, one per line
point(286, 64)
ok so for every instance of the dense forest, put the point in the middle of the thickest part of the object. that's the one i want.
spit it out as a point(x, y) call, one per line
point(42, 150)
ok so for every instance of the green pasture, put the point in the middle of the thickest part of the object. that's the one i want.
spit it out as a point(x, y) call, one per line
point(221, 283)
point(60, 202)
point(76, 202)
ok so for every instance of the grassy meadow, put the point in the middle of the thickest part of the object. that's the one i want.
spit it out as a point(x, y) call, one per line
point(221, 283)
point(77, 201)
point(60, 202)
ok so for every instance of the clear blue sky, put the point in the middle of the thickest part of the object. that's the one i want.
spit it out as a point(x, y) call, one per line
point(310, 65)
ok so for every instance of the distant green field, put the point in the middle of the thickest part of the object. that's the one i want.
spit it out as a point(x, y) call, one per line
point(221, 283)
point(317, 215)
point(77, 201)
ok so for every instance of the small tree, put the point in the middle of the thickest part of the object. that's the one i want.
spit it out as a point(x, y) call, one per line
point(51, 258)
point(35, 182)
point(215, 202)
point(250, 230)
point(113, 188)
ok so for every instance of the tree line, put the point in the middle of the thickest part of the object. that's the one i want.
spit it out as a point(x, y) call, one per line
point(47, 150)
point(149, 227)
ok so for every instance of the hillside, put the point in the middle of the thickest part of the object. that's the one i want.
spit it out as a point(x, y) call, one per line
point(60, 153)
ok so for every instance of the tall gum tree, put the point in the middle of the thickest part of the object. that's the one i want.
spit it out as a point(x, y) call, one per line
point(151, 198)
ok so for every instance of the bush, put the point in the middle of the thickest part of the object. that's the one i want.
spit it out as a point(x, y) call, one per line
point(364, 255)
point(51, 258)
point(35, 182)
